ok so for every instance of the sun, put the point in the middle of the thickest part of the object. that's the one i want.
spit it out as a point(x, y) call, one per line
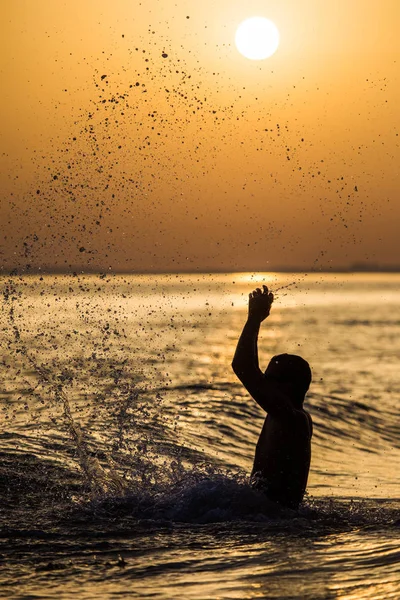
point(257, 38)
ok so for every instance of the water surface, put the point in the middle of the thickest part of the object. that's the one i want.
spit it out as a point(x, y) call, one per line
point(126, 441)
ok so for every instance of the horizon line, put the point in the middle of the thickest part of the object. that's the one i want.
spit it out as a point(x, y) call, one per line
point(355, 268)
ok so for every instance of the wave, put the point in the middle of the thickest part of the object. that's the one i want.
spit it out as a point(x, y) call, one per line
point(37, 495)
point(339, 418)
point(368, 322)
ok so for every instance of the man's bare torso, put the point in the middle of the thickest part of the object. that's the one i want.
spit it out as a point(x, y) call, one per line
point(282, 458)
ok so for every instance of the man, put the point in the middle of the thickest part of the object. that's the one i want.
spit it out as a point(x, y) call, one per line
point(283, 452)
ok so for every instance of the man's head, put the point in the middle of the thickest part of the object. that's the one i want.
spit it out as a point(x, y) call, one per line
point(292, 371)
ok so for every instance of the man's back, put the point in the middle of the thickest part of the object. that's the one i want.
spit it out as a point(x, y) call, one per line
point(282, 458)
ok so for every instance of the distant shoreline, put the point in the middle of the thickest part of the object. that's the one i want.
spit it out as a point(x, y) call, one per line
point(80, 271)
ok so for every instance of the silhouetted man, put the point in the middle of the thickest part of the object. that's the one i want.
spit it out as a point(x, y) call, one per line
point(283, 451)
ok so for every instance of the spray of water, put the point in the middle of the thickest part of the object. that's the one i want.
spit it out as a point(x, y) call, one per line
point(99, 480)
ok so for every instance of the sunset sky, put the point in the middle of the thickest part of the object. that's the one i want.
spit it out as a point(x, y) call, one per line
point(135, 137)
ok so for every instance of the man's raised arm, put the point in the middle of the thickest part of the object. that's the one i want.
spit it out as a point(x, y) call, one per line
point(265, 392)
point(245, 362)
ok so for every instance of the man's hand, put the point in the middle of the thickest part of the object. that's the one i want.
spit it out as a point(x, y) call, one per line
point(260, 303)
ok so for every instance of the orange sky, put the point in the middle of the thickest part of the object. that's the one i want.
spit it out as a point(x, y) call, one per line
point(201, 159)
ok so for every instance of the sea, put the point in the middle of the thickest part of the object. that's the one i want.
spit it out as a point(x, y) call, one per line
point(126, 441)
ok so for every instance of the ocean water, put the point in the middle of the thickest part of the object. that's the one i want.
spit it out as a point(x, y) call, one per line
point(126, 442)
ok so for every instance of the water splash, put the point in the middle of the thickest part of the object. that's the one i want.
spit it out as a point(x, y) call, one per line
point(99, 480)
